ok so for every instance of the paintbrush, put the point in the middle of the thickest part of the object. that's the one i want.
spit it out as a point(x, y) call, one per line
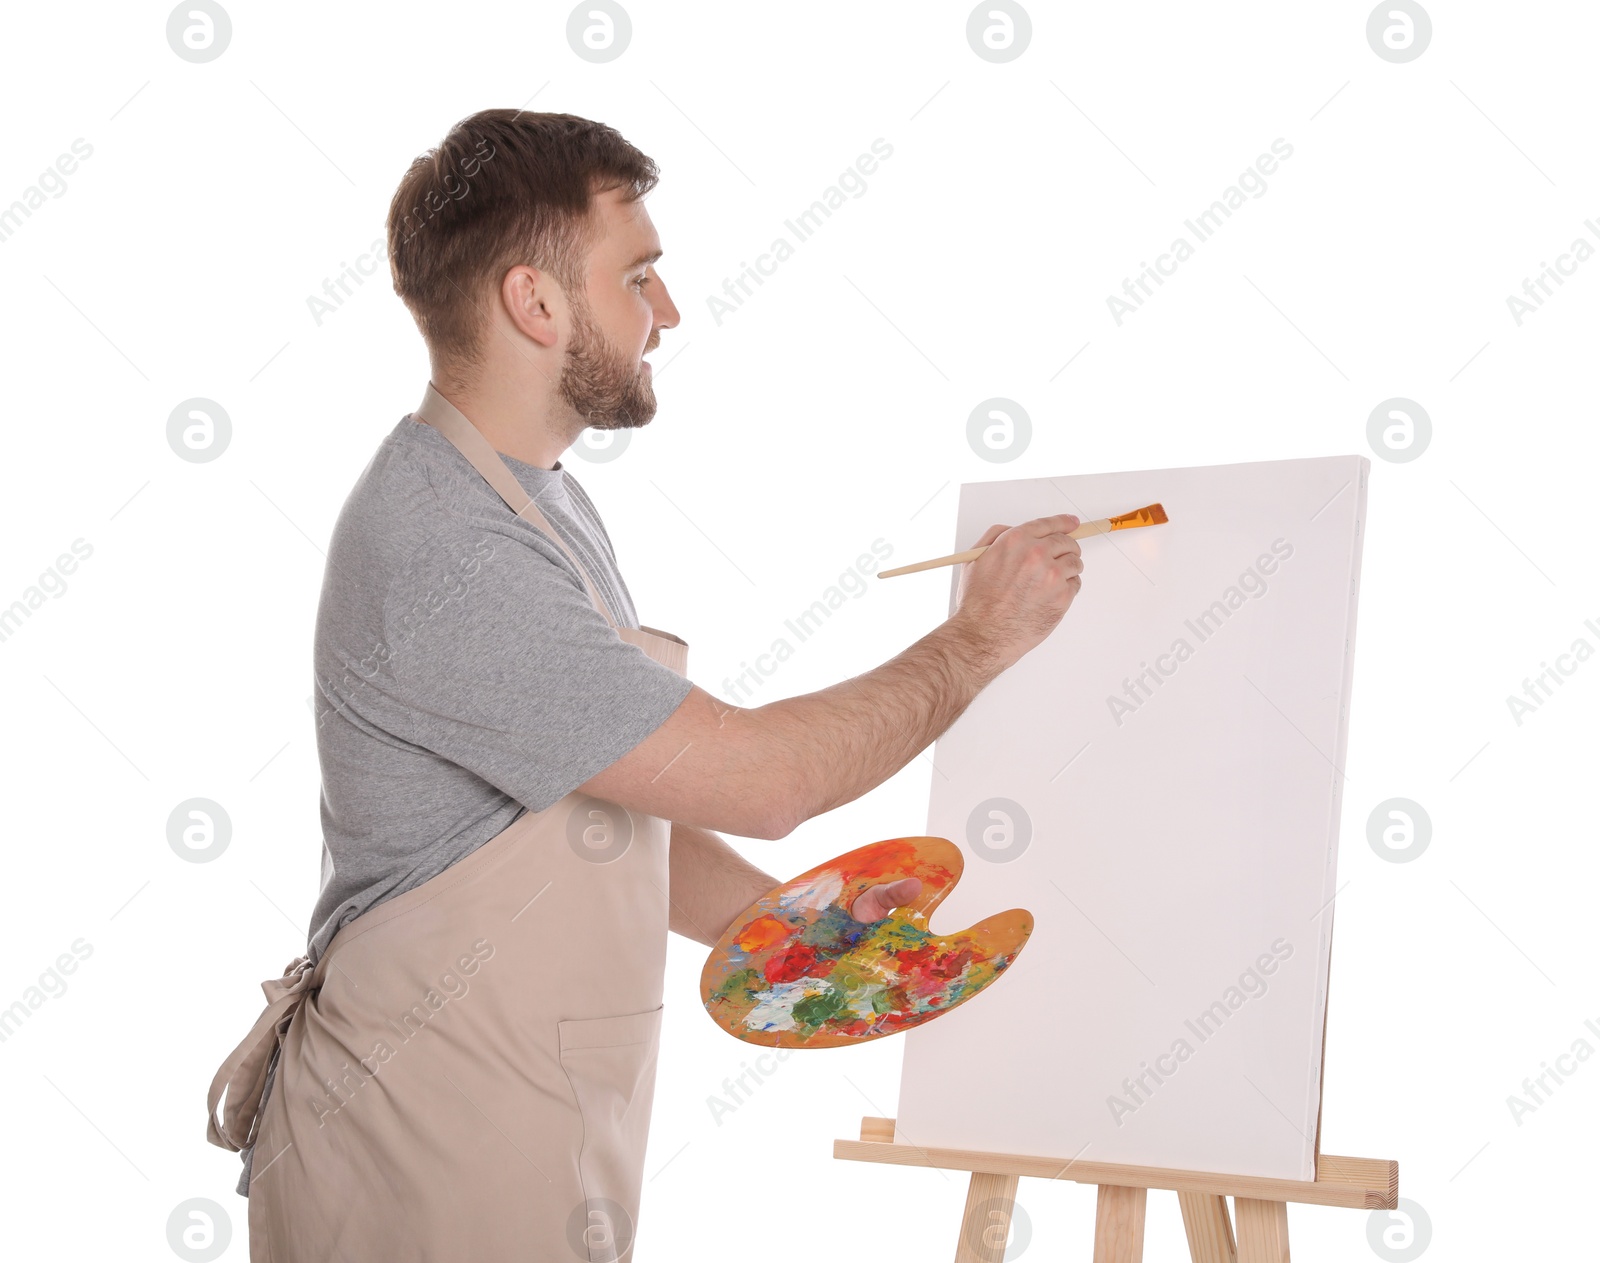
point(1150, 515)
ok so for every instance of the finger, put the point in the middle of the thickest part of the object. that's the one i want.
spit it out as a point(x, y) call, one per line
point(902, 891)
point(1058, 524)
point(878, 901)
point(1057, 545)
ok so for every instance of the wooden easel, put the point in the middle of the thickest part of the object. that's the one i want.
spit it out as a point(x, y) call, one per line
point(1260, 1205)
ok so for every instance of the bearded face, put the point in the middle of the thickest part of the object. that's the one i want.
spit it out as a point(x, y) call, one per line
point(602, 385)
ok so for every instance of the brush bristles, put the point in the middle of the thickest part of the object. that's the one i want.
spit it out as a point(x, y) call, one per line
point(1150, 515)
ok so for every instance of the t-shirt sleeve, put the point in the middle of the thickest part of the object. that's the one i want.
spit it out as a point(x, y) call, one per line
point(499, 662)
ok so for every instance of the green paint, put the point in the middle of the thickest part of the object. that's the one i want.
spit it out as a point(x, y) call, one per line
point(741, 987)
point(895, 934)
point(817, 1009)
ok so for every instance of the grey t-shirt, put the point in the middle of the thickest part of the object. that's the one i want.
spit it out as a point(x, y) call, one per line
point(463, 676)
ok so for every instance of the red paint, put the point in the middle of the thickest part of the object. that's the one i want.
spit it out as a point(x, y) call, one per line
point(795, 962)
point(951, 964)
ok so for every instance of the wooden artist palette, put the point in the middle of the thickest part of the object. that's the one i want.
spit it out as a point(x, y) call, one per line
point(796, 970)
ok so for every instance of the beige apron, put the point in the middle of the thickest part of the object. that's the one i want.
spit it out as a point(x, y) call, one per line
point(467, 1072)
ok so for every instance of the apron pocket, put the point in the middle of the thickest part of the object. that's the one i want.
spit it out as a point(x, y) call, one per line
point(610, 1063)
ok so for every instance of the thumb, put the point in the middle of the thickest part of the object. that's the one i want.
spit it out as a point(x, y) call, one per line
point(879, 901)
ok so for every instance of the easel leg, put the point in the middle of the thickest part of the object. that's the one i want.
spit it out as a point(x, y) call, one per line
point(1210, 1232)
point(1263, 1230)
point(1119, 1224)
point(986, 1225)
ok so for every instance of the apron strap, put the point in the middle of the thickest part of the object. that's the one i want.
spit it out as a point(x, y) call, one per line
point(244, 1074)
point(449, 420)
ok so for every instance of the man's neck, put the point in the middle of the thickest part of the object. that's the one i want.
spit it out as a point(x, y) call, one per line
point(515, 424)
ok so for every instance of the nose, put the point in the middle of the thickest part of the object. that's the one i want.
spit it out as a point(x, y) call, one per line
point(666, 310)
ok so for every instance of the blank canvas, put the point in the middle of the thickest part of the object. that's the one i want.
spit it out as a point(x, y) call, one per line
point(1159, 783)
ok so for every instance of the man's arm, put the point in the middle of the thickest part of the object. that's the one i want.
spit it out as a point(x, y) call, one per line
point(711, 883)
point(759, 773)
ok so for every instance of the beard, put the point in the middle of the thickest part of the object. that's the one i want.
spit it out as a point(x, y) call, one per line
point(597, 381)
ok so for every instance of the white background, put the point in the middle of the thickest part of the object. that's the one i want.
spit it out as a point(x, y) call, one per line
point(827, 412)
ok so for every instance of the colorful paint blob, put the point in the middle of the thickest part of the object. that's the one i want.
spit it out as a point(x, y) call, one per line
point(796, 970)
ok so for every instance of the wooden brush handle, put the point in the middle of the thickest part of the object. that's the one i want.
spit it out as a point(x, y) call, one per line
point(1100, 526)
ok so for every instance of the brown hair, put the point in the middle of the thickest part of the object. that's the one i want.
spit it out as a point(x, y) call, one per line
point(503, 188)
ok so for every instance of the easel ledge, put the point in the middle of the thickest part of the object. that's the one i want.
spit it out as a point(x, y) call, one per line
point(1261, 1203)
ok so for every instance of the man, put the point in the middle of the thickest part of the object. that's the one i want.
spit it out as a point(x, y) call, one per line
point(520, 783)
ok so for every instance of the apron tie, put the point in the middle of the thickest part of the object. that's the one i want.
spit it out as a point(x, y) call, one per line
point(244, 1074)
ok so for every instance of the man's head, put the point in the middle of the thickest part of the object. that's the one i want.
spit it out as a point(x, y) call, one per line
point(522, 248)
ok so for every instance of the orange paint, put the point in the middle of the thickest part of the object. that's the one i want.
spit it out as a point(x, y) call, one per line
point(763, 933)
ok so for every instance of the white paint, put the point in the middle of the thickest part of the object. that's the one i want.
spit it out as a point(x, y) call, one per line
point(774, 1007)
point(816, 897)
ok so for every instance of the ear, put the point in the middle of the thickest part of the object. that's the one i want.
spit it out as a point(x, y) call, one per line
point(531, 298)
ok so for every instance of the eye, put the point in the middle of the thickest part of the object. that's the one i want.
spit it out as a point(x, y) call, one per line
point(643, 279)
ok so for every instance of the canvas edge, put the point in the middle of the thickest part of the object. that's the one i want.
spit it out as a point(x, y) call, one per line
point(1319, 1032)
